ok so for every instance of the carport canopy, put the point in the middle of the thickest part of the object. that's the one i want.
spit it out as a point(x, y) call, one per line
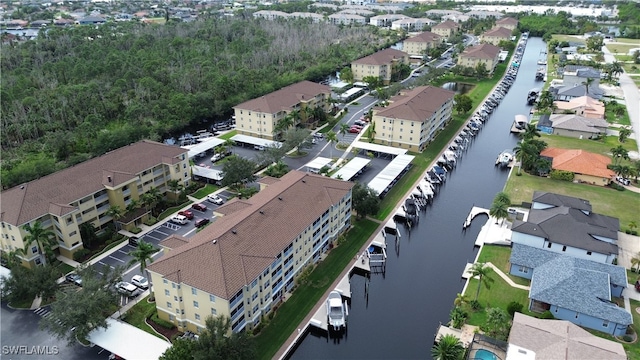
point(350, 169)
point(252, 140)
point(381, 182)
point(378, 148)
point(212, 174)
point(127, 341)
point(203, 146)
point(318, 163)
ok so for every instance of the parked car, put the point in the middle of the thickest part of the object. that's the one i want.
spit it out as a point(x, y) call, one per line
point(133, 241)
point(360, 123)
point(187, 213)
point(74, 278)
point(354, 130)
point(199, 207)
point(179, 219)
point(258, 147)
point(215, 199)
point(216, 157)
point(127, 289)
point(140, 281)
point(318, 136)
point(201, 222)
point(623, 181)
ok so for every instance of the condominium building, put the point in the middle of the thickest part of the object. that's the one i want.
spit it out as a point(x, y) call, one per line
point(507, 22)
point(421, 43)
point(495, 35)
point(383, 64)
point(446, 29)
point(241, 265)
point(413, 118)
point(83, 193)
point(487, 54)
point(259, 117)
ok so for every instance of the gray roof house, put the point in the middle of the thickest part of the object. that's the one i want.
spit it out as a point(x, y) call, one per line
point(579, 292)
point(573, 83)
point(566, 225)
point(558, 339)
point(577, 126)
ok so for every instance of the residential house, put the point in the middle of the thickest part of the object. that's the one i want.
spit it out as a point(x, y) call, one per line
point(347, 19)
point(587, 167)
point(531, 338)
point(486, 54)
point(495, 35)
point(40, 23)
point(13, 24)
point(63, 22)
point(579, 291)
point(446, 29)
point(578, 126)
point(411, 24)
point(566, 225)
point(583, 105)
point(483, 14)
point(91, 20)
point(574, 83)
point(242, 264)
point(421, 43)
point(83, 193)
point(382, 64)
point(385, 20)
point(508, 22)
point(412, 118)
point(259, 117)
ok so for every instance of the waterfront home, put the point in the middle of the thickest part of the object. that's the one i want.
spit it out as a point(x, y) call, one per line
point(531, 337)
point(495, 35)
point(577, 126)
point(587, 167)
point(241, 265)
point(583, 105)
point(382, 64)
point(566, 225)
point(487, 54)
point(573, 289)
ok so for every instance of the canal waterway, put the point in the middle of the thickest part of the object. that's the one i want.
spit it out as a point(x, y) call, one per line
point(399, 317)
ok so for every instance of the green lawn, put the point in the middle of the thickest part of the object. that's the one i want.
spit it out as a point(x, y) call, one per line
point(499, 255)
point(206, 190)
point(499, 295)
point(228, 135)
point(621, 49)
point(289, 315)
point(631, 68)
point(603, 200)
point(633, 350)
point(612, 118)
point(623, 58)
point(137, 315)
point(603, 146)
point(627, 41)
point(64, 268)
point(569, 38)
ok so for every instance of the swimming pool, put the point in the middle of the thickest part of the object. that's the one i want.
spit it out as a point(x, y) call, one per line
point(483, 354)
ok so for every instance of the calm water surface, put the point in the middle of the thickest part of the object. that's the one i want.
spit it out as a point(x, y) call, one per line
point(400, 316)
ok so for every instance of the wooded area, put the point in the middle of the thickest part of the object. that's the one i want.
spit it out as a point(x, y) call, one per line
point(77, 93)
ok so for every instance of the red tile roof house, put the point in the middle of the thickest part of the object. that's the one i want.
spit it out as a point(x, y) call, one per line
point(588, 167)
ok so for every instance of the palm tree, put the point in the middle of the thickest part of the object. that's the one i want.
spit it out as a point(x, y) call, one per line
point(635, 262)
point(174, 186)
point(331, 138)
point(530, 131)
point(133, 204)
point(283, 124)
point(460, 300)
point(448, 348)
point(619, 153)
point(371, 131)
point(586, 84)
point(616, 68)
point(142, 254)
point(632, 225)
point(116, 214)
point(482, 272)
point(344, 129)
point(457, 317)
point(525, 153)
point(45, 239)
point(503, 198)
point(151, 198)
point(545, 102)
point(499, 211)
point(14, 257)
point(624, 133)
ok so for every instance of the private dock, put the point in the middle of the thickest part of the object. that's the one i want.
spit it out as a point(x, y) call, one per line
point(475, 211)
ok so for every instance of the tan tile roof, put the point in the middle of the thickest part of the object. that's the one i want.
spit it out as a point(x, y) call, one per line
point(423, 37)
point(29, 201)
point(284, 99)
point(561, 340)
point(579, 161)
point(418, 104)
point(174, 241)
point(507, 21)
point(446, 25)
point(234, 250)
point(498, 32)
point(588, 103)
point(381, 57)
point(482, 51)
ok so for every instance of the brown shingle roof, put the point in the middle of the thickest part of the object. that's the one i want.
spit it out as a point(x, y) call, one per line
point(233, 251)
point(482, 51)
point(29, 201)
point(285, 98)
point(507, 21)
point(498, 32)
point(446, 25)
point(382, 57)
point(418, 104)
point(579, 161)
point(423, 37)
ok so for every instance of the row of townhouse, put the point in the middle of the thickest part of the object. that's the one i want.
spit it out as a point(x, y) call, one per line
point(83, 193)
point(241, 265)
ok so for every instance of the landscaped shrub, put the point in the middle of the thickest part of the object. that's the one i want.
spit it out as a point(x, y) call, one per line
point(627, 338)
point(78, 255)
point(547, 315)
point(514, 307)
point(150, 221)
point(136, 230)
point(475, 305)
point(165, 324)
point(562, 175)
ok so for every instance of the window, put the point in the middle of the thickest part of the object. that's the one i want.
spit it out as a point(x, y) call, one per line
point(165, 281)
point(173, 285)
point(523, 269)
point(564, 248)
point(38, 261)
point(34, 249)
point(171, 317)
point(198, 317)
point(194, 291)
point(195, 304)
point(589, 253)
point(73, 233)
point(175, 298)
point(212, 298)
point(549, 245)
point(214, 312)
point(166, 292)
point(169, 305)
point(605, 323)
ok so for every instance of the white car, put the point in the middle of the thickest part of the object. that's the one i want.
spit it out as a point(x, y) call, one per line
point(127, 289)
point(215, 199)
point(140, 281)
point(216, 157)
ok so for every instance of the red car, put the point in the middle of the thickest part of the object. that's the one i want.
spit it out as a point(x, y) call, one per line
point(199, 207)
point(186, 213)
point(201, 222)
point(355, 130)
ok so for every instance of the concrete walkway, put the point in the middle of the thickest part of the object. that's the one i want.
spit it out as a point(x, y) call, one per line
point(507, 278)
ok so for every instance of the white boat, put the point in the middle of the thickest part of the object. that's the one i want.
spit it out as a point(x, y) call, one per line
point(519, 124)
point(505, 158)
point(336, 311)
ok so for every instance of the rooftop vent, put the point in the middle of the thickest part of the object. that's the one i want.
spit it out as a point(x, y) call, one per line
point(261, 212)
point(215, 241)
point(280, 198)
point(304, 181)
point(109, 178)
point(234, 231)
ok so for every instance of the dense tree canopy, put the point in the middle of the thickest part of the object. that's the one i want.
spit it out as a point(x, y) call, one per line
point(76, 93)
